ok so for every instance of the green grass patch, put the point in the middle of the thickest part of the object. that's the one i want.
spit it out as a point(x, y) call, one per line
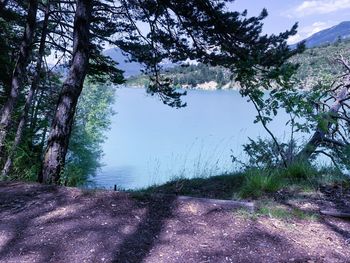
point(258, 183)
point(299, 172)
point(253, 183)
point(274, 210)
point(285, 213)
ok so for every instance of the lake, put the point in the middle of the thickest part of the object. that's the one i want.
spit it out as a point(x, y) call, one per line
point(151, 143)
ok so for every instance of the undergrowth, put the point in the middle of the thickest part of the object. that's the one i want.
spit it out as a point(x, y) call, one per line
point(254, 183)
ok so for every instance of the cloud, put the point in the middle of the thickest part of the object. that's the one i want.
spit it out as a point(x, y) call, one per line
point(314, 7)
point(307, 31)
point(295, 39)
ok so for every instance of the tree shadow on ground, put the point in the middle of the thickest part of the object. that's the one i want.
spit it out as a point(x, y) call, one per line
point(50, 224)
point(56, 224)
point(332, 223)
point(135, 247)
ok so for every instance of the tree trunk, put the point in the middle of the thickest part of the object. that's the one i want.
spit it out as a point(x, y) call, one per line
point(18, 73)
point(57, 145)
point(34, 112)
point(319, 136)
point(30, 95)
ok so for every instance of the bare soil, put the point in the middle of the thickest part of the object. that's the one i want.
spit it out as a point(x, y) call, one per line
point(58, 224)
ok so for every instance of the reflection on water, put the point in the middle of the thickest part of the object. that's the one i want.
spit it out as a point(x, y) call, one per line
point(150, 142)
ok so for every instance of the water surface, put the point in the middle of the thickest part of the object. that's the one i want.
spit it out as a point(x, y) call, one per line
point(151, 143)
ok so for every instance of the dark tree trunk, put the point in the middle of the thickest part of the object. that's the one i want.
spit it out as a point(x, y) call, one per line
point(30, 95)
point(319, 136)
point(57, 144)
point(18, 73)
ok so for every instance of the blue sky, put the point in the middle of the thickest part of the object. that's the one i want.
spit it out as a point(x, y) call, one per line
point(312, 15)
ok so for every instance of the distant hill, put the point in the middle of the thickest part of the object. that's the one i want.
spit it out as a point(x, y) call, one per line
point(316, 64)
point(130, 68)
point(329, 35)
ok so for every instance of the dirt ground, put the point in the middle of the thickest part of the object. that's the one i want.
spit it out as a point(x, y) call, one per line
point(57, 224)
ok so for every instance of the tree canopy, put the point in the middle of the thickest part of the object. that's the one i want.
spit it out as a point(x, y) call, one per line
point(76, 32)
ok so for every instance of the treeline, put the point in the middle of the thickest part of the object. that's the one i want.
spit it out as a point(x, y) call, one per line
point(188, 76)
point(315, 64)
point(55, 85)
point(193, 75)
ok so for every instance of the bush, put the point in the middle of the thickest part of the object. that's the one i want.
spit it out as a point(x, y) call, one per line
point(260, 182)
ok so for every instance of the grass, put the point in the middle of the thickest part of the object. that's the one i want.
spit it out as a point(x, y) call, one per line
point(285, 213)
point(223, 186)
point(260, 182)
point(269, 187)
point(299, 172)
point(277, 211)
point(252, 183)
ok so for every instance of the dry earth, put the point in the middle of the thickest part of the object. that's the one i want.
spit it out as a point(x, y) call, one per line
point(57, 224)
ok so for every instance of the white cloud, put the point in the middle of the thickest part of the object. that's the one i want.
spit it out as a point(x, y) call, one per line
point(307, 31)
point(312, 7)
point(295, 39)
point(314, 28)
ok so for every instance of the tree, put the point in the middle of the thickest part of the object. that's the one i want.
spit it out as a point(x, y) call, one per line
point(92, 118)
point(176, 33)
point(30, 95)
point(62, 123)
point(332, 129)
point(18, 73)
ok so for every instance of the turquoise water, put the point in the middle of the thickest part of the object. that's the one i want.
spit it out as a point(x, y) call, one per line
point(151, 143)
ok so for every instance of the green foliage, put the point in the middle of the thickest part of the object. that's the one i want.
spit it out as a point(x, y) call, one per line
point(261, 153)
point(91, 121)
point(260, 182)
point(190, 76)
point(299, 171)
point(318, 65)
point(255, 183)
point(25, 165)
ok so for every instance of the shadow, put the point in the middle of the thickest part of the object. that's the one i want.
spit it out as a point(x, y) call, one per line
point(56, 224)
point(18, 206)
point(344, 233)
point(338, 204)
point(49, 224)
point(136, 246)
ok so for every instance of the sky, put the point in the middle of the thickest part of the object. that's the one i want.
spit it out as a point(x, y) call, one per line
point(312, 15)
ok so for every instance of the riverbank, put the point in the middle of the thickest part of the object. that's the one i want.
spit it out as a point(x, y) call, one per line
point(57, 224)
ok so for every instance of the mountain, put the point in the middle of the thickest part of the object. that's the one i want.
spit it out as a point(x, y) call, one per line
point(129, 68)
point(315, 66)
point(329, 35)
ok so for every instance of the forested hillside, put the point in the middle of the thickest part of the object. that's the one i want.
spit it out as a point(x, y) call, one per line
point(190, 76)
point(315, 64)
point(319, 63)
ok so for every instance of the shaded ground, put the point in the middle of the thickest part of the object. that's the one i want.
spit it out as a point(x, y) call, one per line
point(57, 224)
